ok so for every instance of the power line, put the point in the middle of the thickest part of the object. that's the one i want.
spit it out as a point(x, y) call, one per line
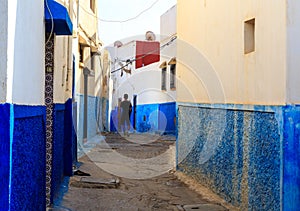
point(121, 21)
point(151, 52)
point(52, 22)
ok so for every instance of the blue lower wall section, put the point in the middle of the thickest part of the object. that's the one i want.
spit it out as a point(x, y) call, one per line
point(23, 154)
point(95, 122)
point(5, 137)
point(58, 148)
point(167, 118)
point(147, 118)
point(150, 118)
point(64, 145)
point(250, 157)
point(28, 159)
point(291, 149)
point(70, 137)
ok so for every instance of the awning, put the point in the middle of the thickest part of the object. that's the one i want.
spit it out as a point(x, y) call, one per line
point(172, 61)
point(61, 19)
point(163, 65)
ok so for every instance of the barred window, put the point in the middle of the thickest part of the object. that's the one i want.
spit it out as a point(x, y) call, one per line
point(173, 76)
point(163, 78)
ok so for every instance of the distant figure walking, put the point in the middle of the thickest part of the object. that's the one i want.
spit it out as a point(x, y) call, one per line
point(126, 109)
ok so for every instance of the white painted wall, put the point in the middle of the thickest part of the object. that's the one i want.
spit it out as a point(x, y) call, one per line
point(63, 65)
point(26, 55)
point(3, 47)
point(88, 22)
point(145, 82)
point(168, 22)
point(211, 41)
point(62, 70)
point(293, 52)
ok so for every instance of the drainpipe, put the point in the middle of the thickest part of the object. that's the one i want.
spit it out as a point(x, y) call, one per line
point(86, 73)
point(77, 14)
point(70, 57)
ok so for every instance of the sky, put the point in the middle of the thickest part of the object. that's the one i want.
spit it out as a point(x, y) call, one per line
point(114, 13)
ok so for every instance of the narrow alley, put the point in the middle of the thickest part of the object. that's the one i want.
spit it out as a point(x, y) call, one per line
point(206, 94)
point(110, 191)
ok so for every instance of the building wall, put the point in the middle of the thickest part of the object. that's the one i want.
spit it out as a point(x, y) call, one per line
point(218, 71)
point(63, 127)
point(88, 24)
point(63, 70)
point(3, 52)
point(293, 49)
point(87, 38)
point(237, 132)
point(155, 109)
point(22, 98)
point(26, 59)
point(27, 184)
point(229, 151)
point(5, 138)
point(168, 23)
point(145, 84)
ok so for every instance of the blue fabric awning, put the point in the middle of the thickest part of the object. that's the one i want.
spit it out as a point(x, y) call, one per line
point(61, 19)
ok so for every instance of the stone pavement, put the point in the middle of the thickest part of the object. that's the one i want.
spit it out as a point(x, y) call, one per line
point(134, 173)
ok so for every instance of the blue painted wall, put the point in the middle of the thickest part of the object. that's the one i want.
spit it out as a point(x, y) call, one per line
point(291, 149)
point(237, 153)
point(151, 118)
point(147, 118)
point(58, 149)
point(70, 138)
point(114, 120)
point(4, 154)
point(93, 103)
point(167, 118)
point(64, 145)
point(28, 159)
point(106, 116)
point(23, 154)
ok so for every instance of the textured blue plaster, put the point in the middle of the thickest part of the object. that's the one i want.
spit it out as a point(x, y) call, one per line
point(291, 147)
point(236, 153)
point(4, 155)
point(264, 162)
point(58, 149)
point(70, 142)
point(28, 159)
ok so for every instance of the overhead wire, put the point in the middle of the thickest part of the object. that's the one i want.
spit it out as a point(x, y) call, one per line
point(149, 53)
point(52, 22)
point(121, 21)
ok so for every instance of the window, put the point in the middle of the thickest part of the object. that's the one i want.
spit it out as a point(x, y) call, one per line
point(249, 36)
point(163, 78)
point(81, 53)
point(172, 76)
point(163, 68)
point(92, 60)
point(172, 64)
point(92, 5)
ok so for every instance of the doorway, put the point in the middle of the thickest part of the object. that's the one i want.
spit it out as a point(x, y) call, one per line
point(134, 111)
